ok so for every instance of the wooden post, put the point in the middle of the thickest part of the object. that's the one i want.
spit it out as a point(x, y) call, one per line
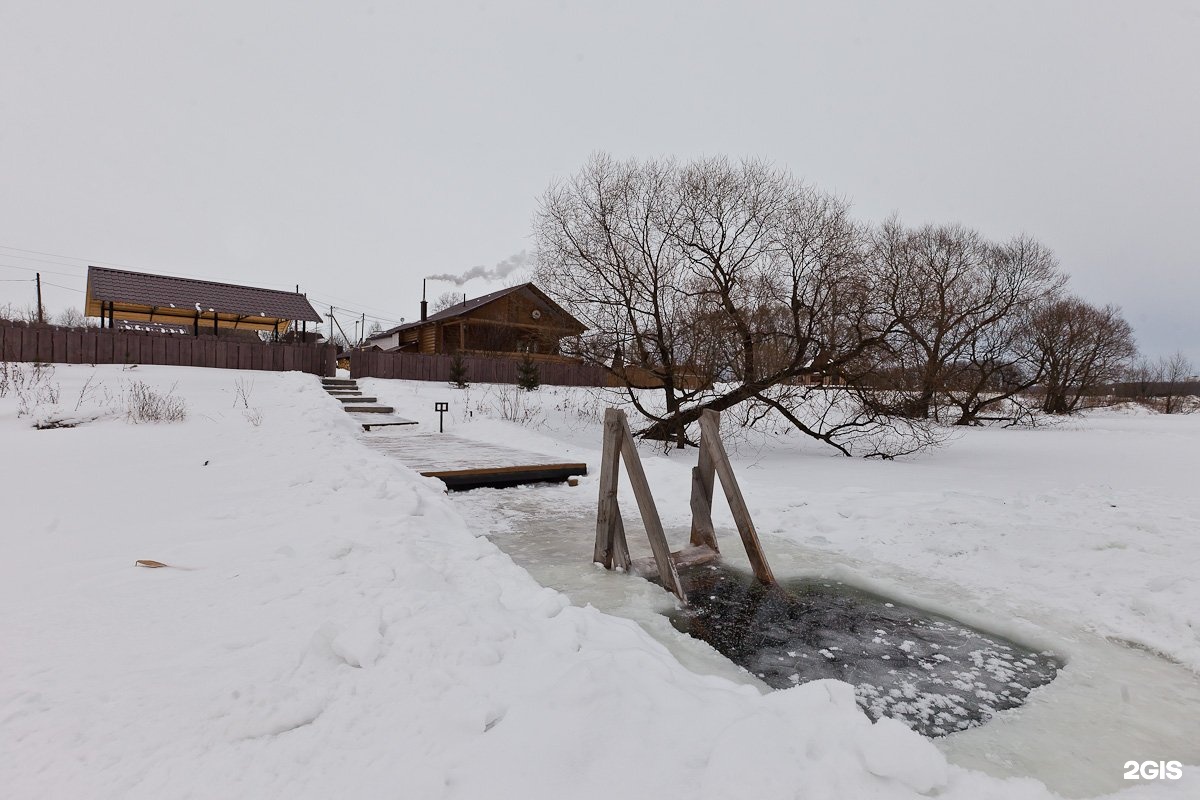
point(702, 496)
point(608, 514)
point(710, 438)
point(645, 500)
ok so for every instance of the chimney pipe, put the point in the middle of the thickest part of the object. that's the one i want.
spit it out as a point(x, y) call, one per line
point(424, 305)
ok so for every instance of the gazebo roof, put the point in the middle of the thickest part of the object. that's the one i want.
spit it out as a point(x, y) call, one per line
point(182, 297)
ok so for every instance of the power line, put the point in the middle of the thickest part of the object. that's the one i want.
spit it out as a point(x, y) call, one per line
point(42, 260)
point(56, 286)
point(35, 269)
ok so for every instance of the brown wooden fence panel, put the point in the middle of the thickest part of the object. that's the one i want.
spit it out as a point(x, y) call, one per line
point(48, 344)
point(91, 349)
point(183, 352)
point(171, 351)
point(45, 345)
point(104, 349)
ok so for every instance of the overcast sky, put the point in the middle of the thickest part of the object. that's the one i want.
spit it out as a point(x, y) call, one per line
point(353, 147)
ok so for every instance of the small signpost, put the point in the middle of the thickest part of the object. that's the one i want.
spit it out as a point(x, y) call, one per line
point(441, 408)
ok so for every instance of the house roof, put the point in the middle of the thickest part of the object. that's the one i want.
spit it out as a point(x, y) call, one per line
point(167, 292)
point(459, 309)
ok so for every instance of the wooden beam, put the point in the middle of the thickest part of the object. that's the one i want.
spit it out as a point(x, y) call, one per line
point(701, 503)
point(608, 514)
point(620, 545)
point(650, 518)
point(710, 438)
point(687, 557)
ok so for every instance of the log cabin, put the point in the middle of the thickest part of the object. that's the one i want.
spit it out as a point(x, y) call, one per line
point(519, 319)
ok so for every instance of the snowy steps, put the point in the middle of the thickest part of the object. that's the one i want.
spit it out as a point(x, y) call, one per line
point(366, 411)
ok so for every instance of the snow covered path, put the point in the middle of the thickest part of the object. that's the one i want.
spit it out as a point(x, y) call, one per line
point(335, 628)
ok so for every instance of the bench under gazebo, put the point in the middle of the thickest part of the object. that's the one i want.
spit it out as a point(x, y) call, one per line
point(199, 306)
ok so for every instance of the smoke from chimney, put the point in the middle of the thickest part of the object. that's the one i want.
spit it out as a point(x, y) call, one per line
point(501, 270)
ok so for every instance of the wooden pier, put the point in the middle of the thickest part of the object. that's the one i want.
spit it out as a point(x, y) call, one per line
point(463, 464)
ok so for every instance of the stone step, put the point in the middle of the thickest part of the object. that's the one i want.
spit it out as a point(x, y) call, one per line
point(359, 399)
point(338, 382)
point(369, 409)
point(343, 392)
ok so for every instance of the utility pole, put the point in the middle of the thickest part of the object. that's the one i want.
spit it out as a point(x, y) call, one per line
point(41, 314)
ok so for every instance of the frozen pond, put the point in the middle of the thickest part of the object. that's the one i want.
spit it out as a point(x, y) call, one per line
point(1109, 704)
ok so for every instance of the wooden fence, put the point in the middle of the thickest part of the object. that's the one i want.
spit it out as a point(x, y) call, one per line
point(413, 367)
point(91, 346)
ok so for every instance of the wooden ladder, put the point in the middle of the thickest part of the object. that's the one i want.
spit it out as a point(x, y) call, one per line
point(612, 548)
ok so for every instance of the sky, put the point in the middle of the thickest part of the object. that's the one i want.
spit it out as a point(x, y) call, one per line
point(353, 147)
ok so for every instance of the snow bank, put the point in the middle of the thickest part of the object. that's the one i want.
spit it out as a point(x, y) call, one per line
point(330, 627)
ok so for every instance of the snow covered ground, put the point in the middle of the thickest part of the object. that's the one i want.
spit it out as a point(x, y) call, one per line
point(333, 625)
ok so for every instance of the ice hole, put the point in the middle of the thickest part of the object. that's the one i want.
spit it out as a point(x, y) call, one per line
point(936, 675)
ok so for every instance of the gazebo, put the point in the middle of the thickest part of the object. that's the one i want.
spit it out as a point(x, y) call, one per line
point(202, 306)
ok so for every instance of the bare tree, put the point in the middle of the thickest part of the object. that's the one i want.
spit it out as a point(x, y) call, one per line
point(721, 282)
point(1085, 349)
point(1176, 373)
point(1165, 383)
point(71, 317)
point(27, 313)
point(447, 299)
point(605, 251)
point(960, 305)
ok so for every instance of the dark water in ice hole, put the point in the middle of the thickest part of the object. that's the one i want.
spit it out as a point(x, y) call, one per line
point(932, 673)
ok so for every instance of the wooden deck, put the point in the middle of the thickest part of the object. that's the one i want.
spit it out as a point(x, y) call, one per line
point(463, 464)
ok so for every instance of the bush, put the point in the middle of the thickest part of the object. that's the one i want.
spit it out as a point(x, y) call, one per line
point(144, 404)
point(458, 372)
point(528, 377)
